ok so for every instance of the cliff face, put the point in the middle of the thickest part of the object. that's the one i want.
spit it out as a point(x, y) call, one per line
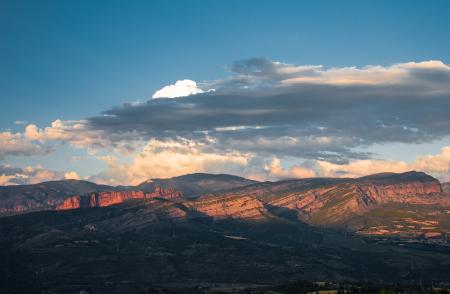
point(386, 203)
point(48, 195)
point(336, 202)
point(323, 201)
point(245, 207)
point(401, 192)
point(315, 201)
point(43, 196)
point(102, 199)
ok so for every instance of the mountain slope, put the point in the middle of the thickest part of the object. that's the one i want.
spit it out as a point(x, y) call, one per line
point(345, 203)
point(22, 198)
point(141, 243)
point(192, 185)
point(69, 194)
point(364, 205)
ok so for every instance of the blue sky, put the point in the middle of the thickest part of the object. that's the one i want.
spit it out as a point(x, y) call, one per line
point(71, 60)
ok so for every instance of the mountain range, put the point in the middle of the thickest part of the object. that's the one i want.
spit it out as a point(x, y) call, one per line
point(409, 204)
point(68, 236)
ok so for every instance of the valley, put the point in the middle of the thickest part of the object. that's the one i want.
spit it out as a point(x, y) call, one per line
point(383, 228)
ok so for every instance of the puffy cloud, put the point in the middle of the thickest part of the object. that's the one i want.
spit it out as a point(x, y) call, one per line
point(275, 170)
point(75, 132)
point(162, 159)
point(79, 134)
point(16, 144)
point(71, 176)
point(179, 89)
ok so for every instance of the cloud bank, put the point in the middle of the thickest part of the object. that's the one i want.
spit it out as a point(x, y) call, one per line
point(306, 111)
point(266, 113)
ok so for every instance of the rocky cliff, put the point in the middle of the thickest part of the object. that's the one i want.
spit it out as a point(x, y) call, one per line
point(61, 194)
point(237, 207)
point(102, 199)
point(317, 201)
point(334, 202)
point(43, 196)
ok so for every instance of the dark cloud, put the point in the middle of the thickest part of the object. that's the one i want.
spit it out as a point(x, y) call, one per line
point(317, 121)
point(6, 170)
point(24, 176)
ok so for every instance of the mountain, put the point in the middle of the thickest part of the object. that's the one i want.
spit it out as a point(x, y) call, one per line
point(108, 198)
point(410, 204)
point(25, 198)
point(382, 228)
point(68, 194)
point(193, 185)
point(232, 241)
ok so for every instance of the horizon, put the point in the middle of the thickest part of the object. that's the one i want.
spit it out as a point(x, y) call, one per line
point(222, 174)
point(117, 93)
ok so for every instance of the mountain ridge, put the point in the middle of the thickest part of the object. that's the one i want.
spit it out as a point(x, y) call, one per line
point(374, 229)
point(15, 199)
point(338, 202)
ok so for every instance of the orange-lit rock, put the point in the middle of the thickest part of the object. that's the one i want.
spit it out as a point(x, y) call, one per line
point(238, 207)
point(70, 203)
point(107, 198)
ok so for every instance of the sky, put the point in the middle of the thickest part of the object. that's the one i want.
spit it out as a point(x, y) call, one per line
point(119, 92)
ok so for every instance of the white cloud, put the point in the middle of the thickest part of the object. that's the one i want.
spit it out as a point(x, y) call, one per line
point(74, 132)
point(71, 176)
point(180, 89)
point(163, 159)
point(275, 170)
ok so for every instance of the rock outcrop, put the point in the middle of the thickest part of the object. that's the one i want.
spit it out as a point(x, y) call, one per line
point(102, 199)
point(388, 187)
point(48, 195)
point(236, 207)
point(335, 202)
point(43, 196)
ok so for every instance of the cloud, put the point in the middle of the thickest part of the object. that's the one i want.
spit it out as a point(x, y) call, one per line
point(79, 134)
point(10, 175)
point(264, 113)
point(275, 170)
point(163, 159)
point(437, 165)
point(260, 71)
point(303, 111)
point(71, 176)
point(16, 144)
point(179, 89)
point(74, 132)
